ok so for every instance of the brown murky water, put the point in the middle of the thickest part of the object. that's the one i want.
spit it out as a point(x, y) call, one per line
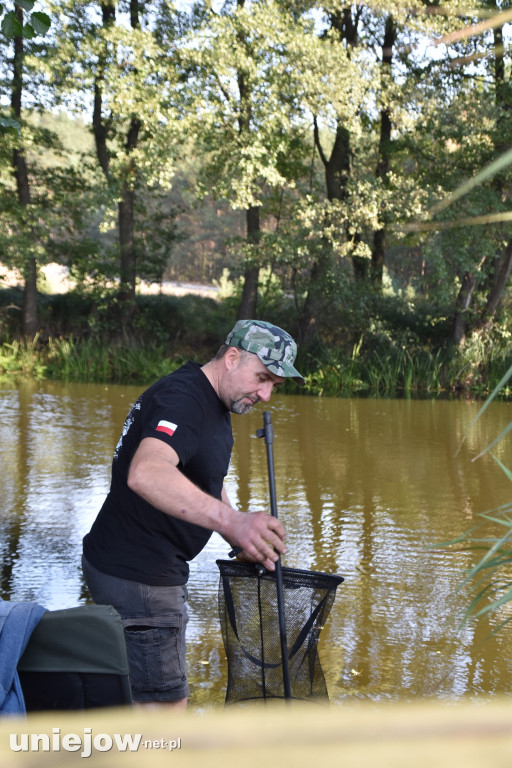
point(364, 487)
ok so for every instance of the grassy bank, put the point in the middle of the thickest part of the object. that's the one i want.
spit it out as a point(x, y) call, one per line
point(83, 341)
point(415, 372)
point(83, 360)
point(421, 374)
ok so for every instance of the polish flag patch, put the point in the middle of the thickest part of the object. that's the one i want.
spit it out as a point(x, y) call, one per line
point(166, 426)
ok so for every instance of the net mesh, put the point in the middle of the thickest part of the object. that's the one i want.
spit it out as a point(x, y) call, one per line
point(249, 616)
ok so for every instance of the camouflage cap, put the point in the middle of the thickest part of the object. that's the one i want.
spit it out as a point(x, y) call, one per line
point(275, 348)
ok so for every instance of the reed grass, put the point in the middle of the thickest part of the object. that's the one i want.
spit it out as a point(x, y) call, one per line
point(406, 372)
point(386, 371)
point(84, 360)
point(490, 579)
point(22, 360)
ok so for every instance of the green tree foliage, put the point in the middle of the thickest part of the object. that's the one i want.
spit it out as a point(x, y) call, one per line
point(242, 90)
point(16, 32)
point(461, 150)
point(110, 56)
point(13, 26)
point(405, 128)
point(57, 225)
point(367, 146)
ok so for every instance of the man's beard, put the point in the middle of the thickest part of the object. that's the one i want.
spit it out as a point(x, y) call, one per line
point(241, 408)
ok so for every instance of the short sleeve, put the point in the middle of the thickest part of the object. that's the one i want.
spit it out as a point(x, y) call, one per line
point(177, 419)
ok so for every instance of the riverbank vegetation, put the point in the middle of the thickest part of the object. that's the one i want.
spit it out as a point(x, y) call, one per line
point(385, 352)
point(341, 170)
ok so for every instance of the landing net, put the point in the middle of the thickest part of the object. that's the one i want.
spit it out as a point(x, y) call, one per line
point(251, 634)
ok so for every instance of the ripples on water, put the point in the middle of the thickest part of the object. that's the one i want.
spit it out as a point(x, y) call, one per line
point(364, 489)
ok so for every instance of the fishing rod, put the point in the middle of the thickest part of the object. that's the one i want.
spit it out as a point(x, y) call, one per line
point(268, 433)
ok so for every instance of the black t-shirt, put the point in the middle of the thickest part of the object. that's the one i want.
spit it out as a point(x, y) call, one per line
point(132, 539)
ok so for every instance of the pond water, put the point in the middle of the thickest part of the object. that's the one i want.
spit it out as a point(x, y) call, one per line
point(365, 488)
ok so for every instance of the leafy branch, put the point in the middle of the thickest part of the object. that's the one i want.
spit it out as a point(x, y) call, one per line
point(12, 26)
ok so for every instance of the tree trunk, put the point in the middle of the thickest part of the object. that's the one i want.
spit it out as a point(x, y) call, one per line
point(126, 204)
point(99, 124)
point(383, 164)
point(126, 221)
point(462, 305)
point(30, 322)
point(337, 166)
point(29, 269)
point(378, 257)
point(126, 209)
point(337, 170)
point(307, 324)
point(30, 317)
point(249, 299)
point(337, 174)
point(502, 272)
point(503, 99)
point(128, 265)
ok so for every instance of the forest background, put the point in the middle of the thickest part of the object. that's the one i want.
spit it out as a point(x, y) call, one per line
point(341, 170)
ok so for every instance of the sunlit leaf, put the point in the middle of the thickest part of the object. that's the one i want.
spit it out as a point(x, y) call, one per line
point(41, 22)
point(11, 26)
point(9, 124)
point(28, 32)
point(27, 5)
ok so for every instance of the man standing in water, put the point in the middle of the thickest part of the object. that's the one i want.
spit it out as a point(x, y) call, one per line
point(167, 496)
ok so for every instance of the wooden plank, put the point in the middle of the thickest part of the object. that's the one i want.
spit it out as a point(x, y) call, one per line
point(386, 735)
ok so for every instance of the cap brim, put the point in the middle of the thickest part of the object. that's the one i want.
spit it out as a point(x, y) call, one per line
point(292, 373)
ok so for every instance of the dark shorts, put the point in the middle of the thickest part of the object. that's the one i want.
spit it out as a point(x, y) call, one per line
point(154, 620)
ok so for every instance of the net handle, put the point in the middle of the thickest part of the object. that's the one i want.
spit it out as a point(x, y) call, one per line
point(268, 433)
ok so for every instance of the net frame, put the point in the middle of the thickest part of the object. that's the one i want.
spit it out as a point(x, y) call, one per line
point(250, 630)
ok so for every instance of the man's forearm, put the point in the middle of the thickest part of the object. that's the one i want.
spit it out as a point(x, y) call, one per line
point(163, 486)
point(154, 475)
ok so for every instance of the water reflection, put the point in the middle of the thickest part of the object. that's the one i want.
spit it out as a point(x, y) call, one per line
point(363, 488)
